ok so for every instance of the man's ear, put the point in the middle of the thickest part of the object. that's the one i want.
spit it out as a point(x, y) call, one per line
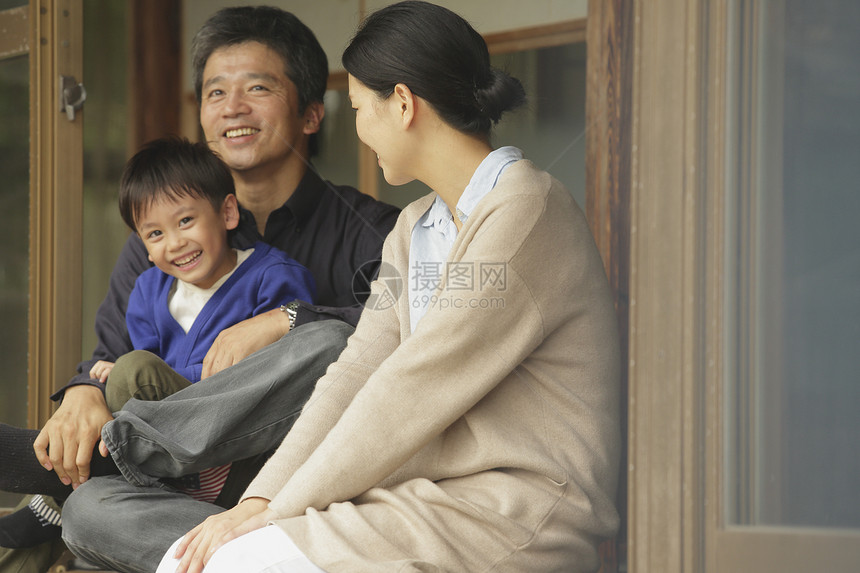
point(230, 211)
point(313, 116)
point(405, 101)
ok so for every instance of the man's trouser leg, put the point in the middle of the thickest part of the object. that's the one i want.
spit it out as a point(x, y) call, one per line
point(136, 375)
point(142, 375)
point(242, 411)
point(122, 527)
point(245, 410)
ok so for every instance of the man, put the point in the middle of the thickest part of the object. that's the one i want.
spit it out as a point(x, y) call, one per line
point(260, 77)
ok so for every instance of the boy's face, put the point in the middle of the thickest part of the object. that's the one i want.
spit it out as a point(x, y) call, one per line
point(187, 238)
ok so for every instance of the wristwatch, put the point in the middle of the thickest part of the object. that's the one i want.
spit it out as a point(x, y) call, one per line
point(291, 309)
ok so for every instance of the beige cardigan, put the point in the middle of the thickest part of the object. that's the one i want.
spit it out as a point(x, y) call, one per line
point(488, 439)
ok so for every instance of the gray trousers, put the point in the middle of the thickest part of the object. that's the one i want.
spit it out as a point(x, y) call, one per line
point(127, 523)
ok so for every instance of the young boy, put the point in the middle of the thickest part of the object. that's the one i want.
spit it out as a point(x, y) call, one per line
point(179, 198)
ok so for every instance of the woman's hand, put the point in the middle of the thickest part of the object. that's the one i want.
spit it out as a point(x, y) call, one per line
point(198, 545)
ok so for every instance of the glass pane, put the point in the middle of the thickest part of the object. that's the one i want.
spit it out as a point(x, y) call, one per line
point(337, 159)
point(104, 233)
point(550, 128)
point(14, 242)
point(795, 297)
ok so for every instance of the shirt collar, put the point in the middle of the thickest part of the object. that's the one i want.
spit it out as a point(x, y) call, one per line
point(301, 204)
point(483, 180)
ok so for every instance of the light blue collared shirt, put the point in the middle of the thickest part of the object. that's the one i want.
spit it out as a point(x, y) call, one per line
point(435, 232)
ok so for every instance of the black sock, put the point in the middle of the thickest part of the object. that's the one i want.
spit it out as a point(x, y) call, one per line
point(21, 472)
point(30, 526)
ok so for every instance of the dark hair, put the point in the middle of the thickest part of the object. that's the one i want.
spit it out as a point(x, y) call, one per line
point(171, 168)
point(305, 62)
point(440, 57)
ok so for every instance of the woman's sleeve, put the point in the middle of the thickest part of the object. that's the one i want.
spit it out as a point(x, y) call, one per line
point(471, 338)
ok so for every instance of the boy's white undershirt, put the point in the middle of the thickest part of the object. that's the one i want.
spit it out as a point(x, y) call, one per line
point(186, 300)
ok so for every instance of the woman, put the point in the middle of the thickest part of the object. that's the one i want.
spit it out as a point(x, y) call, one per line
point(471, 424)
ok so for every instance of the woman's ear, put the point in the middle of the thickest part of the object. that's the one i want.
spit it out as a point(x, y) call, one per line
point(230, 211)
point(405, 101)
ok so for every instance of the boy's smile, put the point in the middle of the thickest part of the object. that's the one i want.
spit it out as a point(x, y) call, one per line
point(187, 238)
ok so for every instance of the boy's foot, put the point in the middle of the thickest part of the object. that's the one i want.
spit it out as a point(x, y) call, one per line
point(31, 525)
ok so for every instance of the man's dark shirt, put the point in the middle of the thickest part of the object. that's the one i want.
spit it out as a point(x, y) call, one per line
point(335, 231)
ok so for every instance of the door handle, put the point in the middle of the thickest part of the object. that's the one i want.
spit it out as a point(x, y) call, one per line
point(72, 96)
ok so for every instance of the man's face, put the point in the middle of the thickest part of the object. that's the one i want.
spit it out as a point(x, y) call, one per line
point(249, 109)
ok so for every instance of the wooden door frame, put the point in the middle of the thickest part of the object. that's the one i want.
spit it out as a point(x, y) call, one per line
point(56, 194)
point(608, 104)
point(676, 150)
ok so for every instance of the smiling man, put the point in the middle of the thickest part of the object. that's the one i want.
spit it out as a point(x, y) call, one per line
point(255, 118)
point(260, 77)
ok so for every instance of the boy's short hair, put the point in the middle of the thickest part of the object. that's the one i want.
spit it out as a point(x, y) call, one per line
point(171, 168)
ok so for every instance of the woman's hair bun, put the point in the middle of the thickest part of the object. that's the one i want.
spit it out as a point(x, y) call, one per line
point(440, 57)
point(500, 94)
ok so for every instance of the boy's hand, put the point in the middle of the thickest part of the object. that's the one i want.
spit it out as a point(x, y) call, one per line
point(65, 444)
point(101, 370)
point(243, 339)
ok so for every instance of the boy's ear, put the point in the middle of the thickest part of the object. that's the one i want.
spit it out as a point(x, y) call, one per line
point(230, 211)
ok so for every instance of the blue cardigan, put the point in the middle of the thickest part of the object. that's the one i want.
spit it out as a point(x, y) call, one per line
point(265, 280)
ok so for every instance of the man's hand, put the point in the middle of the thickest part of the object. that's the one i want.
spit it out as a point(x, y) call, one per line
point(66, 443)
point(243, 339)
point(101, 370)
point(198, 545)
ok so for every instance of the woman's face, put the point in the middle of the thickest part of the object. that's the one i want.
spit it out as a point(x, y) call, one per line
point(378, 124)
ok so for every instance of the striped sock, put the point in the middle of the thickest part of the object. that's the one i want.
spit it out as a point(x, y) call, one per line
point(211, 482)
point(31, 525)
point(46, 514)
